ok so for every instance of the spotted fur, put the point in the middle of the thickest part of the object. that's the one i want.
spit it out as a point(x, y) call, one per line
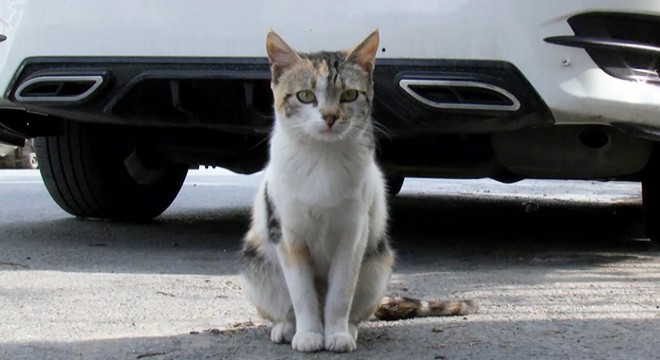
point(397, 308)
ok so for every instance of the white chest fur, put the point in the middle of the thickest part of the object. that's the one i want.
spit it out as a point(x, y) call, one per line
point(318, 175)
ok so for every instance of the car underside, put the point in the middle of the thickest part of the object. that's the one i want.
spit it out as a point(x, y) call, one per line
point(151, 120)
point(568, 91)
point(438, 118)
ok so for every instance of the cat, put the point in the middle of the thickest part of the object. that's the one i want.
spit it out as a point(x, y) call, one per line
point(316, 260)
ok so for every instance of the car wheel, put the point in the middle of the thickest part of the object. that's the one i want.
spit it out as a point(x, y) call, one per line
point(651, 197)
point(95, 171)
point(393, 184)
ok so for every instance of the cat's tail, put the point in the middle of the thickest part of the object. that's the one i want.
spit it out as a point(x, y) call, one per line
point(397, 308)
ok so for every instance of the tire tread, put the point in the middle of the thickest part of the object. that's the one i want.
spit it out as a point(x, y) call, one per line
point(83, 171)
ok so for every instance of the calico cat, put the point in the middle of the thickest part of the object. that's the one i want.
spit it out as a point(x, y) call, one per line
point(316, 260)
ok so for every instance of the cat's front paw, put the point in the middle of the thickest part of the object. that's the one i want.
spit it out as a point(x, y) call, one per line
point(307, 341)
point(353, 330)
point(340, 342)
point(282, 332)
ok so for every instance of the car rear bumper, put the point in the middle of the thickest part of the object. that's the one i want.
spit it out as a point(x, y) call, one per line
point(513, 32)
point(233, 94)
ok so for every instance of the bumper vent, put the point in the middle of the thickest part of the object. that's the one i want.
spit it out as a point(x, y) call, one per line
point(626, 46)
point(413, 96)
point(460, 95)
point(58, 88)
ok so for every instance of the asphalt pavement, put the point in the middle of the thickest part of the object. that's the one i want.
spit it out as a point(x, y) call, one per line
point(559, 269)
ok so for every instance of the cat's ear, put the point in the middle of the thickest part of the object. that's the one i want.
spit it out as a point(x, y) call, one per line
point(365, 53)
point(280, 55)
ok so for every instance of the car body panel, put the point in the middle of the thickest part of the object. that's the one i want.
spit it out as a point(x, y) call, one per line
point(510, 30)
point(574, 88)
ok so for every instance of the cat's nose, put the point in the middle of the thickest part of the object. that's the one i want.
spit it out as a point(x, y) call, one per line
point(330, 119)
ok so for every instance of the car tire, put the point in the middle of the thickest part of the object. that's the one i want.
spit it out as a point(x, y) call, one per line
point(393, 184)
point(651, 196)
point(94, 171)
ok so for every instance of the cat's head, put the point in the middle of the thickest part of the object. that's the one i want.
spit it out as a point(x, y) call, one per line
point(325, 96)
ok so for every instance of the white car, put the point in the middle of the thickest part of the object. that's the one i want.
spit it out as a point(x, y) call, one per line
point(125, 96)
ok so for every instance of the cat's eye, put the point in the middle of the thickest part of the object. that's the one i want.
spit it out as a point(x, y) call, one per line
point(349, 95)
point(306, 96)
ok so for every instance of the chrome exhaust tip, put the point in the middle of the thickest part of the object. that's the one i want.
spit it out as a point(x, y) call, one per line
point(460, 95)
point(58, 88)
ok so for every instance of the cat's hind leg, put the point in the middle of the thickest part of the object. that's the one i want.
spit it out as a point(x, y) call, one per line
point(266, 288)
point(282, 332)
point(372, 284)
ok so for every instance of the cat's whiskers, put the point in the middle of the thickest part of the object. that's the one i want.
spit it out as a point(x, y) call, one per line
point(299, 132)
point(382, 129)
point(261, 142)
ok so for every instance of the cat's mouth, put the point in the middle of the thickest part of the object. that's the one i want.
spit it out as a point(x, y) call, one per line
point(330, 133)
point(321, 131)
